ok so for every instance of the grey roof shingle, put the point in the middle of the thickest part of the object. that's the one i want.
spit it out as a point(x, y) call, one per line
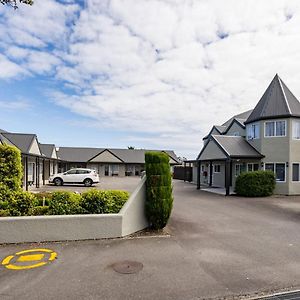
point(81, 154)
point(47, 149)
point(277, 101)
point(242, 117)
point(22, 141)
point(236, 146)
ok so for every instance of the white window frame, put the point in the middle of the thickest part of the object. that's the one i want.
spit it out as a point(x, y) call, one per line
point(293, 124)
point(252, 164)
point(276, 163)
point(240, 168)
point(272, 136)
point(217, 172)
point(250, 126)
point(295, 163)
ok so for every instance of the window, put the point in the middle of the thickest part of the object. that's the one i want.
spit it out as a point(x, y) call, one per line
point(295, 172)
point(253, 167)
point(275, 128)
point(296, 130)
point(253, 131)
point(83, 172)
point(71, 172)
point(237, 170)
point(278, 169)
point(217, 168)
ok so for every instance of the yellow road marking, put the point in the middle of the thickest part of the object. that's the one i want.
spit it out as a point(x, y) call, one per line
point(15, 267)
point(32, 257)
point(34, 250)
point(14, 262)
point(7, 259)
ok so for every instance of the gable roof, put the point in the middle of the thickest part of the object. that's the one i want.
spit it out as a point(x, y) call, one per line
point(47, 149)
point(233, 147)
point(277, 101)
point(22, 141)
point(242, 117)
point(81, 154)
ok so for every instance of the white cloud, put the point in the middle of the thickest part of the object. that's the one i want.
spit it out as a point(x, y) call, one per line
point(167, 70)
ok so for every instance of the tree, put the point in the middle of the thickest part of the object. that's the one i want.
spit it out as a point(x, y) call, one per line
point(13, 3)
point(131, 147)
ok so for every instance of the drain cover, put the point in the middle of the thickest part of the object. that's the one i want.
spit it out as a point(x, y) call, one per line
point(127, 267)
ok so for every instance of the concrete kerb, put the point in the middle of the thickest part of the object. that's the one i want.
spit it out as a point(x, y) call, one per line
point(129, 220)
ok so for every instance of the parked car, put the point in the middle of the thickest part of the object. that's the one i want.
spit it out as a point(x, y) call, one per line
point(86, 176)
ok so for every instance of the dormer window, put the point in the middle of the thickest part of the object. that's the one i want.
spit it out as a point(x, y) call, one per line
point(253, 131)
point(275, 128)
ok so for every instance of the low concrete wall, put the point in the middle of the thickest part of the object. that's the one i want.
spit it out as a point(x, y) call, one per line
point(130, 219)
point(133, 212)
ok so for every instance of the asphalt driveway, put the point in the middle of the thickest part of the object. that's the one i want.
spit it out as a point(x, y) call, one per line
point(219, 247)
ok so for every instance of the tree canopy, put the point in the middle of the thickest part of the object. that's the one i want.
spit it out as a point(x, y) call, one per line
point(14, 3)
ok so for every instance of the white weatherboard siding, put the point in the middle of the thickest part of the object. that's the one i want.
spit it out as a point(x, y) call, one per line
point(106, 156)
point(212, 151)
point(35, 149)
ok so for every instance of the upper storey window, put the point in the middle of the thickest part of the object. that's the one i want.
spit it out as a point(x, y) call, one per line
point(275, 128)
point(296, 130)
point(253, 131)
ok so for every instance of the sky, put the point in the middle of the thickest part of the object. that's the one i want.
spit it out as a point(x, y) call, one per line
point(154, 74)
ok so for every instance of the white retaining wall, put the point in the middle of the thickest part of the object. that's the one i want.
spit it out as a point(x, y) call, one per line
point(130, 219)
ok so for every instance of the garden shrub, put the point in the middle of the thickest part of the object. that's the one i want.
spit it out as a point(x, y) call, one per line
point(4, 213)
point(101, 202)
point(159, 199)
point(21, 204)
point(255, 184)
point(11, 171)
point(43, 198)
point(64, 203)
point(39, 211)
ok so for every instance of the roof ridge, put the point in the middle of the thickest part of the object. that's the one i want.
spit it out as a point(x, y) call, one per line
point(284, 95)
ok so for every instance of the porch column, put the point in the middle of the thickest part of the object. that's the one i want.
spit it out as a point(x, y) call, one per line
point(26, 173)
point(210, 173)
point(184, 172)
point(198, 174)
point(227, 176)
point(37, 175)
point(44, 172)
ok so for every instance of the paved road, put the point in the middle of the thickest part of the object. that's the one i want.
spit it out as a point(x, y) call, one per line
point(218, 247)
point(106, 183)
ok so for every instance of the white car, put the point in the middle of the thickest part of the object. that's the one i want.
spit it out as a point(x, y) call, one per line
point(80, 175)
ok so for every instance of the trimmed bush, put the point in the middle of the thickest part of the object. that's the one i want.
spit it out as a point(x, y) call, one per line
point(159, 199)
point(4, 213)
point(21, 204)
point(39, 211)
point(64, 203)
point(255, 184)
point(118, 199)
point(5, 193)
point(101, 202)
point(11, 171)
point(43, 198)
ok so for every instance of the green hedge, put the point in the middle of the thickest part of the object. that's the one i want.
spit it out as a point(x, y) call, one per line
point(255, 184)
point(102, 202)
point(64, 203)
point(159, 199)
point(11, 171)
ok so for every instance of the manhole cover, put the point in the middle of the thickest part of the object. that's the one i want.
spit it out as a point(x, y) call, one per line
point(127, 267)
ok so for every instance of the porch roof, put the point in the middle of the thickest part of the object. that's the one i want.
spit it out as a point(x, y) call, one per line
point(230, 147)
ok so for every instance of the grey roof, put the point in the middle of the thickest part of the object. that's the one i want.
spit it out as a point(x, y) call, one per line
point(1, 130)
point(277, 101)
point(22, 141)
point(77, 154)
point(236, 146)
point(81, 154)
point(242, 117)
point(47, 149)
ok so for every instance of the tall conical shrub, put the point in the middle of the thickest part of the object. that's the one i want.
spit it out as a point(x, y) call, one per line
point(159, 199)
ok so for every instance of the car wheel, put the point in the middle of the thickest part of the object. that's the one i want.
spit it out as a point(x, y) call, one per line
point(58, 181)
point(88, 182)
